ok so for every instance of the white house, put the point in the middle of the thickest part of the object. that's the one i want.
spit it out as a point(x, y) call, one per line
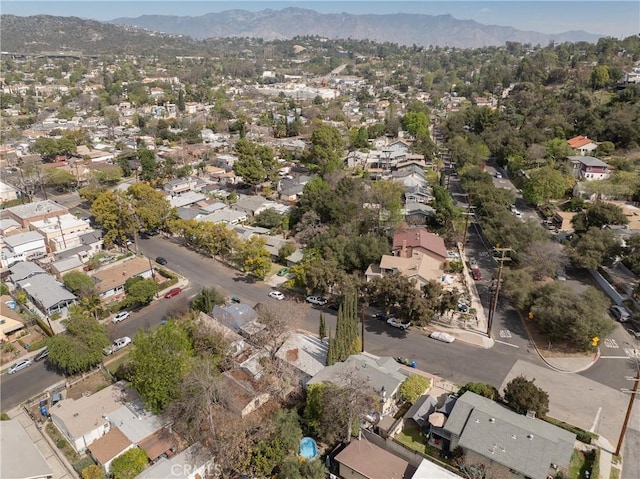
point(85, 420)
point(26, 243)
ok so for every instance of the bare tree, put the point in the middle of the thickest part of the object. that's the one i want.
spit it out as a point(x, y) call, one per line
point(544, 258)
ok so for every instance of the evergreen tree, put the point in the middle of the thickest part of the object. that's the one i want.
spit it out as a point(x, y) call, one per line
point(331, 351)
point(323, 327)
point(347, 339)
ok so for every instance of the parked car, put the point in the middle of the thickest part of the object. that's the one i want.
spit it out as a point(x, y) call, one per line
point(473, 263)
point(463, 308)
point(173, 292)
point(498, 174)
point(42, 355)
point(121, 316)
point(117, 345)
point(396, 323)
point(381, 316)
point(476, 274)
point(276, 295)
point(442, 336)
point(283, 272)
point(319, 300)
point(19, 366)
point(620, 313)
point(161, 260)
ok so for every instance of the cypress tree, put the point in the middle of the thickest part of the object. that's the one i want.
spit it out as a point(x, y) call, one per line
point(322, 332)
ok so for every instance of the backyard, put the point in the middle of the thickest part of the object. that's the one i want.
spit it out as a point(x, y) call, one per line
point(414, 439)
point(582, 462)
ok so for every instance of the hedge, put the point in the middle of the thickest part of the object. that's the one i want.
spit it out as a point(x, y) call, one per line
point(47, 330)
point(581, 434)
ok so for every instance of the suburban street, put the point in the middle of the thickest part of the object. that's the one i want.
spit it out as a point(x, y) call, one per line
point(458, 362)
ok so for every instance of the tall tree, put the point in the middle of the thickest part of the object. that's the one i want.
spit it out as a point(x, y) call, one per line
point(159, 359)
point(326, 148)
point(80, 347)
point(522, 395)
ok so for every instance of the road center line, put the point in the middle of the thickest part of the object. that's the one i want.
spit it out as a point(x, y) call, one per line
point(508, 344)
point(614, 357)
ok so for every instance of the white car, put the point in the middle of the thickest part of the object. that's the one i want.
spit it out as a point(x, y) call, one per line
point(19, 366)
point(276, 295)
point(442, 336)
point(117, 345)
point(319, 300)
point(397, 323)
point(121, 316)
point(498, 174)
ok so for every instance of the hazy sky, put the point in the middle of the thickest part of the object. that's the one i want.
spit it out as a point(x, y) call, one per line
point(614, 18)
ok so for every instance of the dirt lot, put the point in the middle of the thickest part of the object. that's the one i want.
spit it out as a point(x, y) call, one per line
point(89, 385)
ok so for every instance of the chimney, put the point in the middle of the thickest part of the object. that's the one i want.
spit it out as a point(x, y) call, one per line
point(403, 251)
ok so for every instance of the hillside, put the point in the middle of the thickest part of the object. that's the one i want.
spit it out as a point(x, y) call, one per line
point(400, 28)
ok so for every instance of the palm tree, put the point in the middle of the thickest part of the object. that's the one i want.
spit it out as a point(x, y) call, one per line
point(92, 305)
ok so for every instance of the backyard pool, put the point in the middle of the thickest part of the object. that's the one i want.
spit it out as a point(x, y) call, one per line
point(308, 448)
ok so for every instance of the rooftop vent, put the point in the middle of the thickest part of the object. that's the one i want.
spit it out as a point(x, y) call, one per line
point(492, 419)
point(530, 436)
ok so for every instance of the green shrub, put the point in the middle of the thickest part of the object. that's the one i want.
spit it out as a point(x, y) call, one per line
point(38, 345)
point(61, 443)
point(165, 274)
point(8, 348)
point(581, 434)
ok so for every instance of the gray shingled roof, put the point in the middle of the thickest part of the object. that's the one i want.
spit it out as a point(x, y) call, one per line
point(421, 409)
point(24, 269)
point(521, 443)
point(382, 374)
point(46, 290)
point(588, 161)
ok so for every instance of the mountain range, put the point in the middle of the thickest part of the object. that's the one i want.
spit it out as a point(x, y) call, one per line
point(400, 28)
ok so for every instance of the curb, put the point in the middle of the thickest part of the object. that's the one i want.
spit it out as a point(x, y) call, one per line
point(551, 366)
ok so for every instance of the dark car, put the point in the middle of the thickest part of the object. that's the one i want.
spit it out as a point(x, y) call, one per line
point(173, 292)
point(42, 355)
point(161, 260)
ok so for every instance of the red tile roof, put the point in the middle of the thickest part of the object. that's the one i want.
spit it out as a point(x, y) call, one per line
point(579, 141)
point(419, 237)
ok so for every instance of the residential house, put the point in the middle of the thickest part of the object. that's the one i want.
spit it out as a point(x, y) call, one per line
point(108, 447)
point(185, 199)
point(7, 193)
point(411, 176)
point(582, 144)
point(10, 320)
point(192, 463)
point(431, 470)
point(226, 161)
point(61, 232)
point(67, 265)
point(362, 459)
point(240, 318)
point(23, 270)
point(9, 226)
point(88, 244)
point(246, 397)
point(421, 409)
point(382, 374)
point(225, 215)
point(273, 244)
point(25, 244)
point(292, 189)
point(19, 456)
point(39, 210)
point(82, 421)
point(110, 280)
point(254, 205)
point(237, 343)
point(416, 254)
point(144, 429)
point(589, 168)
point(514, 445)
point(181, 185)
point(418, 194)
point(47, 294)
point(305, 353)
point(409, 242)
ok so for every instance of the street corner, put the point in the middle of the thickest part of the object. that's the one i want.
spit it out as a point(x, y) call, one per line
point(572, 365)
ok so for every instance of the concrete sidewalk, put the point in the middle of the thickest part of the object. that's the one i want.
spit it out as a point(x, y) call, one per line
point(62, 469)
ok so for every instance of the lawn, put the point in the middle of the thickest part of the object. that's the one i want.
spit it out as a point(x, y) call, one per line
point(62, 443)
point(412, 438)
point(580, 463)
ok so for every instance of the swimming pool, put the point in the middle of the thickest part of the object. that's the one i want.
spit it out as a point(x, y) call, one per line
point(308, 448)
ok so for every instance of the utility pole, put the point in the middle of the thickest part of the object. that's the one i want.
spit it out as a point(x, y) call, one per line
point(493, 303)
point(632, 398)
